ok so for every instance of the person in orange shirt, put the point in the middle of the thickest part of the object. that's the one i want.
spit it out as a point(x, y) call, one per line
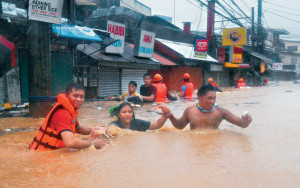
point(187, 89)
point(59, 127)
point(211, 81)
point(162, 92)
point(241, 83)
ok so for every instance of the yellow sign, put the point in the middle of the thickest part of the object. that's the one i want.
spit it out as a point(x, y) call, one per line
point(237, 54)
point(230, 65)
point(234, 36)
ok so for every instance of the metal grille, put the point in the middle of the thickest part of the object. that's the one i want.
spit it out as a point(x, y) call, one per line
point(109, 81)
point(132, 75)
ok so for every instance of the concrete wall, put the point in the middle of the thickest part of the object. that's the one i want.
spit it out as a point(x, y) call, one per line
point(292, 43)
point(10, 87)
point(286, 58)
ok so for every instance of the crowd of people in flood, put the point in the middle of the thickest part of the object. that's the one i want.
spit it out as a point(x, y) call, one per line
point(59, 127)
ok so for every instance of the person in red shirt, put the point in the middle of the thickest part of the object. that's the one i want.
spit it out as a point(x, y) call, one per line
point(241, 83)
point(59, 127)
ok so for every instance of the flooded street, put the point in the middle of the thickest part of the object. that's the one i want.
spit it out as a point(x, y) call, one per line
point(266, 154)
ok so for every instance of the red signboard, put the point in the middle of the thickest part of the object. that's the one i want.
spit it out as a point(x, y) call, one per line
point(201, 46)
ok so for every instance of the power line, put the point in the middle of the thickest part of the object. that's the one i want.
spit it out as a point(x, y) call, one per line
point(240, 9)
point(237, 21)
point(284, 12)
point(282, 16)
point(281, 6)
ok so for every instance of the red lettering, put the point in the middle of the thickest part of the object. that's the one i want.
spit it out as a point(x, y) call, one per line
point(109, 28)
point(147, 39)
point(113, 29)
point(117, 30)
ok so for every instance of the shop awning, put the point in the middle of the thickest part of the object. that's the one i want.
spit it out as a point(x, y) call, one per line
point(163, 60)
point(7, 55)
point(75, 32)
point(262, 57)
point(234, 65)
point(185, 49)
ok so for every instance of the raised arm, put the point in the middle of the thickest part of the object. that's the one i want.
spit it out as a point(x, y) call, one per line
point(150, 98)
point(181, 122)
point(83, 130)
point(161, 121)
point(241, 122)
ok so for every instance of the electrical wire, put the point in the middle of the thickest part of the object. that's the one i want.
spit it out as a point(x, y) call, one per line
point(281, 6)
point(282, 16)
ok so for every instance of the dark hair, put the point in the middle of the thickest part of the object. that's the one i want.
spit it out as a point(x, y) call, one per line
point(133, 83)
point(147, 74)
point(186, 79)
point(117, 112)
point(74, 86)
point(204, 89)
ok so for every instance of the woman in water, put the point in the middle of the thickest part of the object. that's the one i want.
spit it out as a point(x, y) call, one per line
point(126, 119)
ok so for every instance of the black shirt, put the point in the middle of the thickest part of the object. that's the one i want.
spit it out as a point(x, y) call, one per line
point(139, 125)
point(148, 91)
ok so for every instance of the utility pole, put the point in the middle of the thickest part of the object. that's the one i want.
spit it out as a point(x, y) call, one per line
point(252, 28)
point(260, 32)
point(210, 28)
point(174, 13)
point(39, 68)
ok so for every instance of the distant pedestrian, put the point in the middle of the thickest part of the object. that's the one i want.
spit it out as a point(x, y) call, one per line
point(211, 81)
point(187, 89)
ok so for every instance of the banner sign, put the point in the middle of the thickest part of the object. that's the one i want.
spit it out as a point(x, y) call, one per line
point(201, 54)
point(234, 36)
point(237, 54)
point(117, 32)
point(45, 10)
point(201, 45)
point(144, 46)
point(277, 66)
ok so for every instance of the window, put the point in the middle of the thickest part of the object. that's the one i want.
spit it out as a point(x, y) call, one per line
point(294, 60)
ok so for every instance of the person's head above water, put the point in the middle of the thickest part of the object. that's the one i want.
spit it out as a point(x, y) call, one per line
point(186, 77)
point(125, 113)
point(157, 78)
point(147, 79)
point(132, 87)
point(210, 80)
point(75, 94)
point(207, 96)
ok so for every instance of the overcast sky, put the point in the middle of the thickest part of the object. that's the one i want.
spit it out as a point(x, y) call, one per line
point(276, 13)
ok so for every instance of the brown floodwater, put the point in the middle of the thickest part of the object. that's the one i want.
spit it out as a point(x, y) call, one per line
point(266, 154)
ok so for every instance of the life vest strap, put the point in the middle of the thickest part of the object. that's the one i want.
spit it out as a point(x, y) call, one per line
point(50, 133)
point(46, 145)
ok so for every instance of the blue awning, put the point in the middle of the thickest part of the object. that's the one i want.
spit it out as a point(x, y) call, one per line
point(76, 32)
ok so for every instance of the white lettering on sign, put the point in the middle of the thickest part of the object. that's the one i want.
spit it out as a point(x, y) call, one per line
point(117, 32)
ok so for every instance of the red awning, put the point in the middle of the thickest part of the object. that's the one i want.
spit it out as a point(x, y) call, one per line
point(162, 60)
point(244, 66)
point(7, 55)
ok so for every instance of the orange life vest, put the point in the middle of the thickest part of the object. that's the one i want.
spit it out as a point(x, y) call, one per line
point(161, 93)
point(189, 90)
point(241, 84)
point(47, 138)
point(214, 84)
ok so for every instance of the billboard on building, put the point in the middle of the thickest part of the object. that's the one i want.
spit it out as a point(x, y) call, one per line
point(277, 66)
point(117, 32)
point(236, 54)
point(144, 45)
point(200, 48)
point(234, 36)
point(45, 10)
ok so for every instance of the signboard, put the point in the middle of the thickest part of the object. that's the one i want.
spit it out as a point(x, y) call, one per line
point(237, 54)
point(200, 48)
point(117, 32)
point(9, 8)
point(234, 36)
point(145, 44)
point(45, 10)
point(277, 66)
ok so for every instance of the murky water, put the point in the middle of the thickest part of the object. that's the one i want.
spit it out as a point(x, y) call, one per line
point(266, 154)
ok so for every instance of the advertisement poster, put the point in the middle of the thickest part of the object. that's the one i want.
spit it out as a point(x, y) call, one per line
point(117, 32)
point(145, 46)
point(277, 66)
point(45, 10)
point(201, 47)
point(237, 55)
point(234, 36)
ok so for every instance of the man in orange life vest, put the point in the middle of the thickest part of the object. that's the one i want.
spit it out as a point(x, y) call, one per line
point(187, 89)
point(60, 125)
point(162, 93)
point(211, 81)
point(241, 83)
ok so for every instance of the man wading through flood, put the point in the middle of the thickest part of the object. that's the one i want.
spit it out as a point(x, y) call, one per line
point(206, 114)
point(60, 125)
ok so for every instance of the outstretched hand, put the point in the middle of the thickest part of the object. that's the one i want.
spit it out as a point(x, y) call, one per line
point(247, 118)
point(165, 110)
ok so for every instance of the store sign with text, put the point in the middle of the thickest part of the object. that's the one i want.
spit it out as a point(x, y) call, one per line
point(145, 44)
point(117, 32)
point(200, 48)
point(277, 66)
point(234, 36)
point(45, 10)
point(237, 54)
